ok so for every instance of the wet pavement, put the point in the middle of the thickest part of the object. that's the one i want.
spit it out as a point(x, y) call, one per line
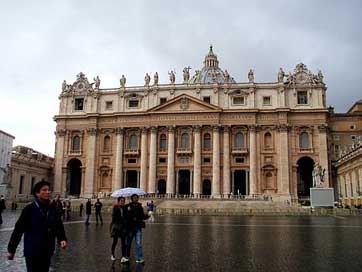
point(210, 243)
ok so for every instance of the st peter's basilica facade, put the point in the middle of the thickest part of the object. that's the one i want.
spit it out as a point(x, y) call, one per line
point(208, 136)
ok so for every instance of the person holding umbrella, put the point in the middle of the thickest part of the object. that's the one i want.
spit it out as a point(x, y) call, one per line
point(135, 223)
point(118, 227)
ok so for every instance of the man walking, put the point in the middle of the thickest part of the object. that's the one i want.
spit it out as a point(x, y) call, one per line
point(135, 223)
point(2, 207)
point(88, 211)
point(98, 207)
point(81, 209)
point(41, 224)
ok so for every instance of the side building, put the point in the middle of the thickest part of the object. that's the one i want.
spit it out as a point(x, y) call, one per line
point(346, 154)
point(6, 145)
point(208, 136)
point(28, 167)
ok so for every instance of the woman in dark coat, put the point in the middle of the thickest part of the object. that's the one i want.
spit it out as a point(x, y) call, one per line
point(118, 228)
point(41, 224)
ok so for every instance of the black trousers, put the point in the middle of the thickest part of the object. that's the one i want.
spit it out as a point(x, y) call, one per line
point(123, 237)
point(1, 218)
point(38, 263)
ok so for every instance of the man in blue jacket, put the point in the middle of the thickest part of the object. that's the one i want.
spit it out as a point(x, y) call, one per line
point(41, 224)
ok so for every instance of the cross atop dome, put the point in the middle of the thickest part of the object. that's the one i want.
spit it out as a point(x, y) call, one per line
point(211, 59)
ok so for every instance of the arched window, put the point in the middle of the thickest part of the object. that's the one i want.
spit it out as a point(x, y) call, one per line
point(269, 181)
point(207, 141)
point(239, 140)
point(268, 140)
point(185, 141)
point(132, 142)
point(163, 142)
point(304, 140)
point(107, 144)
point(76, 143)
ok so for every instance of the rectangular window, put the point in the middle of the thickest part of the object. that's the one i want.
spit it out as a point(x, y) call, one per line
point(162, 160)
point(78, 104)
point(207, 160)
point(32, 184)
point(240, 100)
point(302, 98)
point(336, 137)
point(163, 100)
point(109, 105)
point(132, 160)
point(266, 100)
point(21, 185)
point(133, 103)
point(239, 160)
point(207, 99)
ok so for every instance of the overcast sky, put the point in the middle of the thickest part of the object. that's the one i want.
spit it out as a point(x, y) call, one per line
point(45, 42)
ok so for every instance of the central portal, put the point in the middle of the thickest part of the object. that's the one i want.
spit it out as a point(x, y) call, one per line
point(184, 182)
point(239, 187)
point(131, 178)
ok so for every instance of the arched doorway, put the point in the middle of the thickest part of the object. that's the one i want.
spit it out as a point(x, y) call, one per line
point(131, 178)
point(239, 187)
point(74, 180)
point(305, 180)
point(161, 188)
point(184, 182)
point(206, 187)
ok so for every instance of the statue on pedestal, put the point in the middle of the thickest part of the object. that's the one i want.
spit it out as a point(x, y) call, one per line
point(186, 74)
point(251, 76)
point(281, 75)
point(123, 81)
point(318, 176)
point(172, 76)
point(97, 82)
point(226, 76)
point(155, 79)
point(147, 79)
point(64, 86)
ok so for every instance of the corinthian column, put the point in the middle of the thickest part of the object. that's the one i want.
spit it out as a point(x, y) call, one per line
point(252, 141)
point(90, 163)
point(60, 134)
point(323, 152)
point(152, 164)
point(215, 162)
point(226, 168)
point(283, 176)
point(170, 185)
point(118, 176)
point(197, 161)
point(143, 182)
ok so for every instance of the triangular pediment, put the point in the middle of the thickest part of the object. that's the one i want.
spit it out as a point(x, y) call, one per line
point(185, 103)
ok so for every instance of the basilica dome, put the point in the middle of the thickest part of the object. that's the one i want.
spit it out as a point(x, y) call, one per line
point(211, 73)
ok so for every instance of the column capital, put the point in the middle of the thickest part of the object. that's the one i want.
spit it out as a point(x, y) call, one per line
point(283, 128)
point(252, 128)
point(196, 128)
point(216, 128)
point(119, 130)
point(226, 129)
point(92, 131)
point(171, 129)
point(144, 130)
point(153, 129)
point(323, 127)
point(61, 132)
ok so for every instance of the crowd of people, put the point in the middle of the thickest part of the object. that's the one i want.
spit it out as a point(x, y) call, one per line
point(41, 223)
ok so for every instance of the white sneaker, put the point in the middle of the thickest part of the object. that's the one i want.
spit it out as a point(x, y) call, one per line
point(124, 260)
point(113, 258)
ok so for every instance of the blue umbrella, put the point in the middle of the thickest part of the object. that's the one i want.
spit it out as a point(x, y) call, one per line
point(128, 191)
